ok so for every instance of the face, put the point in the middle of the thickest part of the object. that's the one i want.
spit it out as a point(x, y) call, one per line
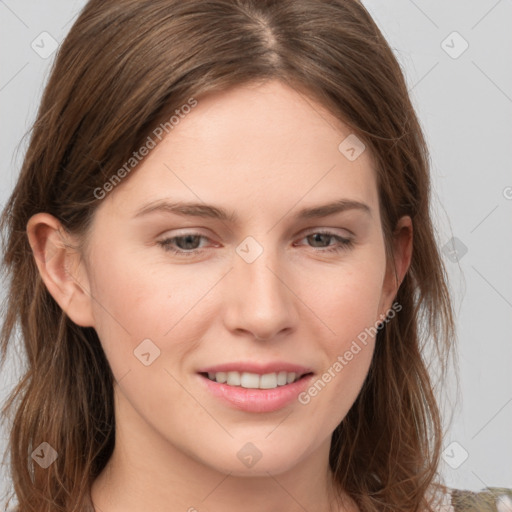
point(261, 296)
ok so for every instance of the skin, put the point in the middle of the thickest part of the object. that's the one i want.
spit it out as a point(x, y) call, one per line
point(263, 152)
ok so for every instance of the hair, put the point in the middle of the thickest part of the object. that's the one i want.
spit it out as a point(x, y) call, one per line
point(124, 66)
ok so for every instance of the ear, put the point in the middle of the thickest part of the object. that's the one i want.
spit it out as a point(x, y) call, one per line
point(61, 267)
point(402, 250)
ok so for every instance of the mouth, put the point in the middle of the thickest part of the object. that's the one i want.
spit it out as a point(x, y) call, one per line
point(249, 380)
point(255, 388)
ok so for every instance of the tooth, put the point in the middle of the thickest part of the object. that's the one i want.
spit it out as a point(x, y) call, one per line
point(250, 380)
point(268, 381)
point(281, 378)
point(233, 379)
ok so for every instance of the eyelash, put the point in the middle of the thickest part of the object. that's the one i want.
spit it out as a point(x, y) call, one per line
point(344, 244)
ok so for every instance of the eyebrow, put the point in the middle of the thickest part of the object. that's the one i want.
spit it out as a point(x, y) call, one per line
point(195, 209)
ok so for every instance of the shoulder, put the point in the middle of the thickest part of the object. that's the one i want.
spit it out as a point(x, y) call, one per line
point(489, 499)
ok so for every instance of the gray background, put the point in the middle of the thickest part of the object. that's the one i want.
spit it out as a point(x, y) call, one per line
point(464, 101)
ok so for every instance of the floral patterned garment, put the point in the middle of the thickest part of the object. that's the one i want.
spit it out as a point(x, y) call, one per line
point(490, 499)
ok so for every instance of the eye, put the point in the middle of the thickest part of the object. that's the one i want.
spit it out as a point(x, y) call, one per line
point(322, 236)
point(187, 244)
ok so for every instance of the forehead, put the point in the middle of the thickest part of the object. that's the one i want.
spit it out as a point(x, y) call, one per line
point(253, 146)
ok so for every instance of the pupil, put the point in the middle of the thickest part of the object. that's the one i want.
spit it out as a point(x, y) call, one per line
point(316, 235)
point(187, 241)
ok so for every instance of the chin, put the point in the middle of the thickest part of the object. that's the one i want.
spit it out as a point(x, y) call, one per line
point(255, 459)
point(274, 465)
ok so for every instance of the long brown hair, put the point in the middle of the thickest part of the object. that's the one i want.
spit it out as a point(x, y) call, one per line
point(126, 65)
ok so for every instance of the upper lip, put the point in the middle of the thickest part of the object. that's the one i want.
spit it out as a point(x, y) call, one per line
point(259, 368)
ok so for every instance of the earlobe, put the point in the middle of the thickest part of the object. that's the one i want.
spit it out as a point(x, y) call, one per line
point(60, 267)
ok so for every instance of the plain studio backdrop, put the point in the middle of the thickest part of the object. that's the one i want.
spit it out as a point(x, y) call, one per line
point(456, 58)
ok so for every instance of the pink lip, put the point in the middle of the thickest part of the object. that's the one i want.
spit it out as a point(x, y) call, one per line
point(257, 400)
point(252, 367)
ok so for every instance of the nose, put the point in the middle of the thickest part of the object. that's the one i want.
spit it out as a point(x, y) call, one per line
point(259, 300)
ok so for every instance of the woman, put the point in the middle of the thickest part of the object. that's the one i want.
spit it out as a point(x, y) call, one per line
point(224, 268)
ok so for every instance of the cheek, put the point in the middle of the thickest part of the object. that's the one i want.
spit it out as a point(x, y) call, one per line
point(350, 311)
point(144, 298)
point(135, 302)
point(146, 322)
point(332, 393)
point(347, 297)
point(347, 302)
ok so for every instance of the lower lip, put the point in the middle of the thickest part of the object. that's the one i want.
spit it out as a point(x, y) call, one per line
point(257, 400)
